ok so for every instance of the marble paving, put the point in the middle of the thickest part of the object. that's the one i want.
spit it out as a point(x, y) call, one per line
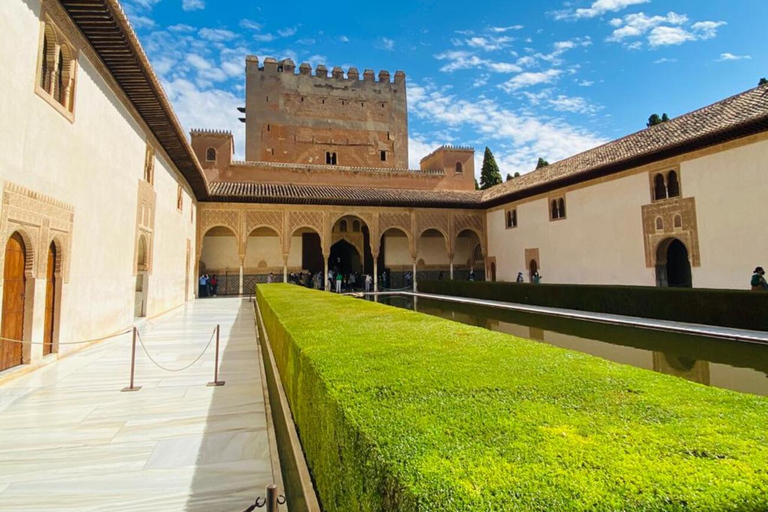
point(70, 440)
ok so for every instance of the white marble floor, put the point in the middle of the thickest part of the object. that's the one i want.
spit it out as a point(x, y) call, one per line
point(70, 440)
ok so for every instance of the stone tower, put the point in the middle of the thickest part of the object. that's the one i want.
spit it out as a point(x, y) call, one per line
point(319, 119)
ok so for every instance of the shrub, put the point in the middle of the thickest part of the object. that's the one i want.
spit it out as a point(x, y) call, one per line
point(726, 308)
point(399, 411)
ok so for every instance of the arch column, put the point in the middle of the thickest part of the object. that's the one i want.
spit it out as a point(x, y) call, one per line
point(326, 256)
point(242, 271)
point(450, 263)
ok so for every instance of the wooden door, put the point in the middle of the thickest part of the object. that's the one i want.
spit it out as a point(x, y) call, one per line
point(14, 286)
point(50, 301)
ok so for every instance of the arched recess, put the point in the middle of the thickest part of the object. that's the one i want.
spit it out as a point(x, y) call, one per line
point(433, 253)
point(305, 252)
point(142, 276)
point(673, 264)
point(395, 256)
point(48, 57)
point(659, 187)
point(469, 255)
point(263, 256)
point(358, 235)
point(219, 256)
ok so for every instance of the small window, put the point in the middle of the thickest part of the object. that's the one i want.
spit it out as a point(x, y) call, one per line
point(302, 99)
point(659, 187)
point(343, 102)
point(343, 226)
point(57, 69)
point(383, 156)
point(269, 127)
point(673, 184)
point(511, 218)
point(659, 224)
point(356, 226)
point(267, 99)
point(382, 105)
point(561, 207)
point(179, 199)
point(554, 211)
point(149, 165)
point(330, 158)
point(557, 209)
point(210, 155)
point(678, 223)
point(459, 168)
point(192, 214)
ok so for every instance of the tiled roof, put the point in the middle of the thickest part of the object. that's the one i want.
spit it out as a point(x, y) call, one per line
point(738, 116)
point(334, 195)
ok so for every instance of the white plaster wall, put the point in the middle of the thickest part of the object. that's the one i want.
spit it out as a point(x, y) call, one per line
point(397, 251)
point(93, 164)
point(732, 213)
point(600, 241)
point(220, 253)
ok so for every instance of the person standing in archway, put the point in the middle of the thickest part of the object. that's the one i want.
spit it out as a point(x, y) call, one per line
point(759, 284)
point(520, 277)
point(339, 280)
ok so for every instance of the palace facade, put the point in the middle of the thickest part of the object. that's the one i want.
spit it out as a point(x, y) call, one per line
point(110, 210)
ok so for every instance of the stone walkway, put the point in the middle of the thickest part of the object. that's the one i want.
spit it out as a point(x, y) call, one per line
point(71, 441)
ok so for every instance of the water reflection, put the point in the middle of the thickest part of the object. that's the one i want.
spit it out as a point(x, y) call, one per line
point(713, 362)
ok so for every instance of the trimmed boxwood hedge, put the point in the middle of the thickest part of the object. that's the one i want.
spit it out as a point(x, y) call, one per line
point(726, 308)
point(400, 411)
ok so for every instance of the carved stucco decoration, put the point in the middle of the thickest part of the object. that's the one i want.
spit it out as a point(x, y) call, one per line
point(40, 220)
point(269, 219)
point(669, 219)
point(145, 223)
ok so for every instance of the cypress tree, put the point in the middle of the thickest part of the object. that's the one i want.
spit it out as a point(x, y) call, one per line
point(489, 175)
point(541, 163)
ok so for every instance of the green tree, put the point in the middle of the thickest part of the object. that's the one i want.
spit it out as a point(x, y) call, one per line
point(517, 175)
point(477, 185)
point(655, 119)
point(489, 175)
point(763, 81)
point(509, 177)
point(541, 163)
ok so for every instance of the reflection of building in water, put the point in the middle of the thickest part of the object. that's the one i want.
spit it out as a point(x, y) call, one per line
point(681, 366)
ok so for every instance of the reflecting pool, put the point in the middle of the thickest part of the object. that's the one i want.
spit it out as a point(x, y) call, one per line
point(726, 364)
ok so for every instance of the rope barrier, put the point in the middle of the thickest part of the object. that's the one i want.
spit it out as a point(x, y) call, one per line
point(141, 341)
point(271, 501)
point(70, 342)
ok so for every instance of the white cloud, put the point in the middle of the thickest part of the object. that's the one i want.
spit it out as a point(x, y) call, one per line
point(250, 24)
point(489, 44)
point(585, 83)
point(418, 148)
point(466, 60)
point(264, 38)
point(529, 79)
point(386, 44)
point(216, 35)
point(665, 60)
point(287, 32)
point(672, 29)
point(344, 39)
point(598, 8)
point(517, 139)
point(501, 30)
point(192, 5)
point(730, 56)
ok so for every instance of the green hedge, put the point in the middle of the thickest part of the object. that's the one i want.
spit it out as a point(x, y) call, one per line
point(400, 411)
point(726, 308)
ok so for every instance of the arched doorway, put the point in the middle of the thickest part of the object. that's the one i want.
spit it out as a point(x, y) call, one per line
point(673, 265)
point(219, 257)
point(50, 300)
point(394, 258)
point(345, 258)
point(533, 269)
point(433, 258)
point(14, 302)
point(263, 256)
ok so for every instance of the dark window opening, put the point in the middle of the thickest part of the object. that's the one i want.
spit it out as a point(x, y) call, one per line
point(561, 205)
point(269, 128)
point(673, 184)
point(659, 188)
point(383, 156)
point(330, 158)
point(459, 168)
point(555, 212)
point(210, 155)
point(343, 226)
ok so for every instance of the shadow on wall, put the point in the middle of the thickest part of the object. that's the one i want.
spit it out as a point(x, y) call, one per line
point(233, 464)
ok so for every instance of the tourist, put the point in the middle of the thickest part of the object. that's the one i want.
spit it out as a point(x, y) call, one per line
point(368, 282)
point(536, 278)
point(520, 277)
point(352, 282)
point(270, 278)
point(758, 280)
point(208, 287)
point(472, 275)
point(339, 280)
point(214, 285)
point(440, 276)
point(203, 288)
point(408, 279)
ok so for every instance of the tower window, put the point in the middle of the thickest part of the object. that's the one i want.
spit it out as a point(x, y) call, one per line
point(557, 209)
point(269, 127)
point(383, 156)
point(330, 157)
point(512, 218)
point(459, 168)
point(673, 185)
point(210, 155)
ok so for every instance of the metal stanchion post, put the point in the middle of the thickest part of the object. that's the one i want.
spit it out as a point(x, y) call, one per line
point(133, 363)
point(216, 381)
point(271, 498)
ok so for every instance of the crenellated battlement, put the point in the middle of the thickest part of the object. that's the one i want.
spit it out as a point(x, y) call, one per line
point(273, 66)
point(210, 133)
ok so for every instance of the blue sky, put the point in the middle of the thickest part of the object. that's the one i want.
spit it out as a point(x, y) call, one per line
point(527, 79)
